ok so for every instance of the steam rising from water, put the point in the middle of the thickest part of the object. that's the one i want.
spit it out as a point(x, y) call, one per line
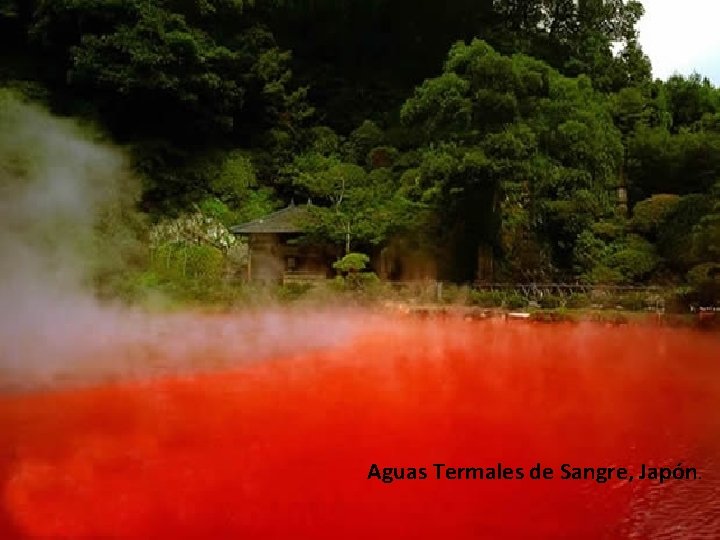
point(282, 448)
point(56, 184)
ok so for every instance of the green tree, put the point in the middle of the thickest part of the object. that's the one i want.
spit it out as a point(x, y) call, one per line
point(515, 148)
point(650, 214)
point(354, 206)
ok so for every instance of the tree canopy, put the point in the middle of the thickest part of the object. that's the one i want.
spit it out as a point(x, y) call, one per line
point(528, 132)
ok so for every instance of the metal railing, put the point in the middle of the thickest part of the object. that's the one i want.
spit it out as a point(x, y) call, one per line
point(562, 289)
point(439, 291)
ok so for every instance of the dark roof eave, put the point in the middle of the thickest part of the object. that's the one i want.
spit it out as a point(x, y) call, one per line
point(239, 230)
point(280, 222)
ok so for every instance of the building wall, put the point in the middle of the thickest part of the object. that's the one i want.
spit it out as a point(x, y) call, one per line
point(266, 258)
point(399, 262)
point(272, 256)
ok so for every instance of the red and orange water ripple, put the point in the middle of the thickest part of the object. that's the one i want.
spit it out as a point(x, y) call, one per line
point(282, 448)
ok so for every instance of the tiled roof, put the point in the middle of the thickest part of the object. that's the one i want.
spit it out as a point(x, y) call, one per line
point(287, 220)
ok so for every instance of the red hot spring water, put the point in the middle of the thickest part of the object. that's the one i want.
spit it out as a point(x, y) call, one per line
point(282, 446)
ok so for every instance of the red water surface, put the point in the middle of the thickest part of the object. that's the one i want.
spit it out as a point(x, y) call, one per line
point(282, 448)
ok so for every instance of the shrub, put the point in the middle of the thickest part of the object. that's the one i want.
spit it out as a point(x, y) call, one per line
point(588, 252)
point(609, 300)
point(578, 300)
point(235, 179)
point(487, 298)
point(293, 291)
point(214, 208)
point(324, 140)
point(634, 261)
point(633, 301)
point(181, 261)
point(675, 237)
point(355, 279)
point(366, 137)
point(515, 301)
point(678, 301)
point(204, 262)
point(603, 274)
point(551, 301)
point(650, 214)
point(352, 262)
point(195, 228)
point(608, 230)
point(705, 282)
point(454, 294)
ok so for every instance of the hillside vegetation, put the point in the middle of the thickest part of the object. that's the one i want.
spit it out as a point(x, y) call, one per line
point(466, 126)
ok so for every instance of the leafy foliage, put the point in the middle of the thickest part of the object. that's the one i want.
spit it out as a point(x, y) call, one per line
point(352, 262)
point(354, 278)
point(650, 214)
point(505, 138)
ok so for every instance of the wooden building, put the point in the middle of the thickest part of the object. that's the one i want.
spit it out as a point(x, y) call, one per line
point(278, 254)
point(400, 260)
point(275, 253)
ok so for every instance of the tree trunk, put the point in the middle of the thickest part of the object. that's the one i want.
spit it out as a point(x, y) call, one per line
point(347, 239)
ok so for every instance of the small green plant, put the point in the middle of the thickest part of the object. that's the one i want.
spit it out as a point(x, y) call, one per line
point(486, 298)
point(516, 301)
point(550, 301)
point(181, 261)
point(354, 278)
point(453, 294)
point(633, 301)
point(352, 262)
point(578, 300)
point(678, 300)
point(293, 291)
point(705, 282)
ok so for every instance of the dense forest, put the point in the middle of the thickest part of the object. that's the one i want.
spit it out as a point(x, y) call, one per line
point(530, 131)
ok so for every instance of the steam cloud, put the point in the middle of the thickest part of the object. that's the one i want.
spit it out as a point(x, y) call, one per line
point(55, 184)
